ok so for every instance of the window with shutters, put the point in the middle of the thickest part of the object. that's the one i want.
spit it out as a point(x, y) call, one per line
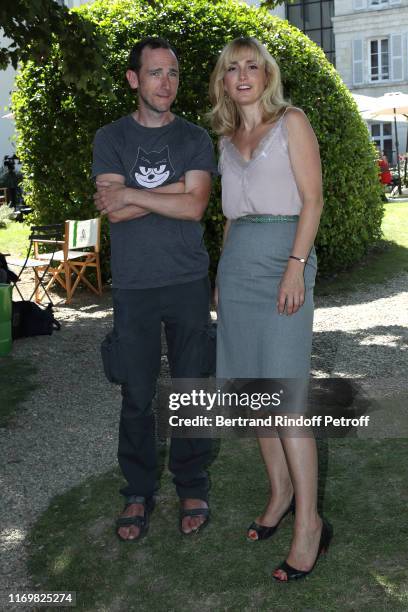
point(379, 59)
point(397, 58)
point(358, 63)
point(382, 3)
point(381, 135)
point(361, 5)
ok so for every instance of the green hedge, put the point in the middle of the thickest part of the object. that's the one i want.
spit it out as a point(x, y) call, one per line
point(56, 123)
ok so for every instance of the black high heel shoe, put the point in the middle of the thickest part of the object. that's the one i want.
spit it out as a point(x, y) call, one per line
point(294, 574)
point(263, 532)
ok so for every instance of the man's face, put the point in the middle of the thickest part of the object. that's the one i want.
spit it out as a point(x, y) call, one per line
point(157, 81)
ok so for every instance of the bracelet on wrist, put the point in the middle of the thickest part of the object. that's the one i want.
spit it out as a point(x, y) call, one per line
point(301, 259)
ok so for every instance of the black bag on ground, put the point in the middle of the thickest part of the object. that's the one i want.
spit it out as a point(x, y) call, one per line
point(29, 319)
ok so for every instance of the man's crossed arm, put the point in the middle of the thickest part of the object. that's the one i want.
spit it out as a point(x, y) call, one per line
point(182, 200)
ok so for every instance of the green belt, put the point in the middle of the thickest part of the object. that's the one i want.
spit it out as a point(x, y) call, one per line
point(268, 219)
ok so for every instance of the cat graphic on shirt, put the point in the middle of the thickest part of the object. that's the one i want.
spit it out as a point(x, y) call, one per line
point(152, 169)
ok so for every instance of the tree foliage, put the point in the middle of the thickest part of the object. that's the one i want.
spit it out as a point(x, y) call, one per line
point(56, 122)
point(34, 26)
point(271, 4)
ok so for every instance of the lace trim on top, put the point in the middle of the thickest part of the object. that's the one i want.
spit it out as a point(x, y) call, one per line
point(262, 147)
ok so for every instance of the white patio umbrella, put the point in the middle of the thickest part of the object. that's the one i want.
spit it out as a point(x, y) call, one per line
point(390, 106)
point(365, 104)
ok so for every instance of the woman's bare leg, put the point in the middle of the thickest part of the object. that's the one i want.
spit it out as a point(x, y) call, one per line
point(301, 456)
point(279, 478)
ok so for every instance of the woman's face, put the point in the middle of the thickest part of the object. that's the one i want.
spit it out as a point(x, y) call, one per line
point(245, 79)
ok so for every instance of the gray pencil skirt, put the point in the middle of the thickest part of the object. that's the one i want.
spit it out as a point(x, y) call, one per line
point(253, 339)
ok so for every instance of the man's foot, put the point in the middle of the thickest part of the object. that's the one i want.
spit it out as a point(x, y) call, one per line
point(191, 524)
point(131, 532)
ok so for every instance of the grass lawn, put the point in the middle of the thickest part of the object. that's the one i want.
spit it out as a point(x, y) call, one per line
point(14, 239)
point(17, 378)
point(387, 259)
point(73, 546)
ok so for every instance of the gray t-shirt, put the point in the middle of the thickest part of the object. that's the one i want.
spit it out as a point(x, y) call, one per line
point(154, 251)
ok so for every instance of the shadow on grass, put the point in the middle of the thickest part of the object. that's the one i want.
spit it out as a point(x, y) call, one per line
point(16, 385)
point(386, 260)
point(73, 546)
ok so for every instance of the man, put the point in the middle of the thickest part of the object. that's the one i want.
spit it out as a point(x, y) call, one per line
point(153, 174)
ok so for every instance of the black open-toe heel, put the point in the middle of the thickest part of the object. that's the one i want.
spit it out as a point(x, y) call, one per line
point(263, 532)
point(294, 574)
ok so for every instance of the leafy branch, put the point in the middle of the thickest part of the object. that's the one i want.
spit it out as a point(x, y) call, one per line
point(35, 26)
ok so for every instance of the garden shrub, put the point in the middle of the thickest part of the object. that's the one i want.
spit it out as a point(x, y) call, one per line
point(57, 123)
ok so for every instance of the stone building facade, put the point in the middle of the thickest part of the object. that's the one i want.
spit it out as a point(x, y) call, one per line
point(371, 38)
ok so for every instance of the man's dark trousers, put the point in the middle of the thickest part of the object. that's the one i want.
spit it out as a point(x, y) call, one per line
point(138, 314)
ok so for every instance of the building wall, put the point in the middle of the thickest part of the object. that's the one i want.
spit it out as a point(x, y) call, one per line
point(6, 125)
point(356, 23)
point(363, 26)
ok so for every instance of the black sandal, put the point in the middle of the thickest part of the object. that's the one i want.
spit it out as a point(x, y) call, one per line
point(205, 512)
point(138, 521)
point(263, 531)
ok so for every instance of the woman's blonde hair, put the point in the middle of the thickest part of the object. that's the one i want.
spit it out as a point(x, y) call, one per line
point(224, 116)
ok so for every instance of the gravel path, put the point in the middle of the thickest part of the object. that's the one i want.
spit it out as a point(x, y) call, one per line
point(67, 429)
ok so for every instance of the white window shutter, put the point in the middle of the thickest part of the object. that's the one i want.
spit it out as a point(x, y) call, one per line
point(357, 61)
point(359, 4)
point(397, 67)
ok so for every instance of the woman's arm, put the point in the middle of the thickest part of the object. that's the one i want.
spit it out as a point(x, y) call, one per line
point(305, 161)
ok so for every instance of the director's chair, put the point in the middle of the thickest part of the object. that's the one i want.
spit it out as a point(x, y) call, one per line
point(53, 237)
point(80, 251)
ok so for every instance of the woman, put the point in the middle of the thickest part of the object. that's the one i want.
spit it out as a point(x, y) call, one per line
point(272, 198)
point(385, 174)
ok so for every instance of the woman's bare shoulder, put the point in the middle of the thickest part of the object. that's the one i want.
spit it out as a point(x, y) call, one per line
point(296, 120)
point(294, 113)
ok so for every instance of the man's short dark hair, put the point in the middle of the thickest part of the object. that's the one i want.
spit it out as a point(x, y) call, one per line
point(135, 55)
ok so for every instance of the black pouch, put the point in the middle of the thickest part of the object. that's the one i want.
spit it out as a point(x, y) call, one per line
point(113, 360)
point(29, 319)
point(209, 341)
point(6, 275)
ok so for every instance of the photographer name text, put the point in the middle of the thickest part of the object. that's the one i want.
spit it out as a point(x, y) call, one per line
point(269, 421)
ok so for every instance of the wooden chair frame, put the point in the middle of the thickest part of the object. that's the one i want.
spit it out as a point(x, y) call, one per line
point(46, 234)
point(67, 266)
point(73, 263)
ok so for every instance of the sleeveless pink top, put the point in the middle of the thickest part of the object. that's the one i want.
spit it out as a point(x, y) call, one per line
point(264, 185)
